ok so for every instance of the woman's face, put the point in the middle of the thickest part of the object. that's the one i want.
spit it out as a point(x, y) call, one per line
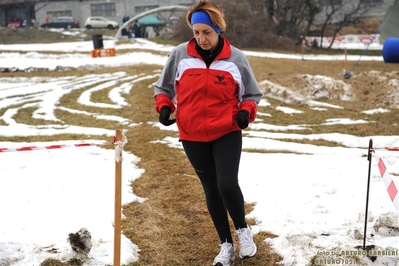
point(206, 37)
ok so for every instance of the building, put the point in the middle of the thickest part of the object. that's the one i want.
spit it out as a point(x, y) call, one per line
point(80, 9)
point(16, 11)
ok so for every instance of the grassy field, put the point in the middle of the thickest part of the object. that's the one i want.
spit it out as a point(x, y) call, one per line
point(173, 227)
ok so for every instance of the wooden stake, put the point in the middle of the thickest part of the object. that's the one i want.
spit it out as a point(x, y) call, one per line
point(118, 206)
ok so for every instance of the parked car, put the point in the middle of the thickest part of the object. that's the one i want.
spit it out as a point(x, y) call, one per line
point(62, 23)
point(100, 23)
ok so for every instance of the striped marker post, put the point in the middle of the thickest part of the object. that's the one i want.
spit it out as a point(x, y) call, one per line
point(369, 156)
point(388, 182)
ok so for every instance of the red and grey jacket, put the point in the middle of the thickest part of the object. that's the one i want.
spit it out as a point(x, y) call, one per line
point(207, 98)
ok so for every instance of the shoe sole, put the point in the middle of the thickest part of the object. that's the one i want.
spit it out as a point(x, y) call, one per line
point(250, 255)
point(220, 264)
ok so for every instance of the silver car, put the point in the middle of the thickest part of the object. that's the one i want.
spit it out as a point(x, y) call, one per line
point(100, 23)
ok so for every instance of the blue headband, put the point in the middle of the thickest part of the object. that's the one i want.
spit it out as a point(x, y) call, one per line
point(203, 17)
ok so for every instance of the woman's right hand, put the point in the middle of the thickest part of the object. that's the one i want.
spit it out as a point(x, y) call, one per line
point(242, 119)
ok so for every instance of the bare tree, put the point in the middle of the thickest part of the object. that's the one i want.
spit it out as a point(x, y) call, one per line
point(313, 9)
point(351, 11)
point(290, 18)
point(266, 23)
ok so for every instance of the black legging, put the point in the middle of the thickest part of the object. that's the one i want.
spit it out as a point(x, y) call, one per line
point(216, 164)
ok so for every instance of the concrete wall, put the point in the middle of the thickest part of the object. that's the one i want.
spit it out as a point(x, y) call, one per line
point(45, 8)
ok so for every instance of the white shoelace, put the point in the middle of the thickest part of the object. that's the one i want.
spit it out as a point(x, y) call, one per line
point(243, 237)
point(225, 249)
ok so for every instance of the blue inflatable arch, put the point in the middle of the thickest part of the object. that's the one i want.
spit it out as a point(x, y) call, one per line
point(390, 50)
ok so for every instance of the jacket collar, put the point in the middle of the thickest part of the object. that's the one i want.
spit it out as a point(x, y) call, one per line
point(225, 53)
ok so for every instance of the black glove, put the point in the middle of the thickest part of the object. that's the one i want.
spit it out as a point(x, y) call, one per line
point(164, 116)
point(242, 119)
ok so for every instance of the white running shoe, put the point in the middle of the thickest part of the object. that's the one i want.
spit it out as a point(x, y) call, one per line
point(226, 255)
point(246, 240)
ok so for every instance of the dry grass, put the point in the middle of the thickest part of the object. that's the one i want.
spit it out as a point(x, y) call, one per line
point(173, 226)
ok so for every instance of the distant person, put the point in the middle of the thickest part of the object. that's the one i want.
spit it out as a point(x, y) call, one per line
point(136, 30)
point(125, 18)
point(211, 85)
point(47, 19)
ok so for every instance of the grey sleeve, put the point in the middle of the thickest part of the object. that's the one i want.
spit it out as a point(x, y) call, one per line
point(250, 85)
point(252, 91)
point(166, 82)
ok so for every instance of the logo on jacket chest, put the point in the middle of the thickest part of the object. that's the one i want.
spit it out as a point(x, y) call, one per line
point(220, 80)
